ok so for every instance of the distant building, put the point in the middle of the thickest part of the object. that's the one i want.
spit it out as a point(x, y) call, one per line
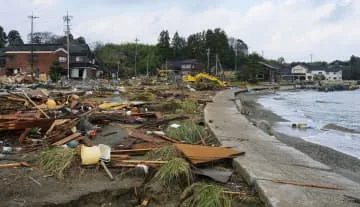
point(191, 66)
point(268, 72)
point(17, 59)
point(311, 71)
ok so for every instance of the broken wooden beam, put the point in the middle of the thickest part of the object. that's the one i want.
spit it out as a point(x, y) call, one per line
point(67, 139)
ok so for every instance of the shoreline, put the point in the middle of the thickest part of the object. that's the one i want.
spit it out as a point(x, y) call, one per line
point(339, 162)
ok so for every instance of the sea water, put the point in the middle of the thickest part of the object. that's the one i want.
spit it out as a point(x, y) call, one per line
point(318, 109)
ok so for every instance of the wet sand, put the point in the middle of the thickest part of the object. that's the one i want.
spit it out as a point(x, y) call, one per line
point(341, 163)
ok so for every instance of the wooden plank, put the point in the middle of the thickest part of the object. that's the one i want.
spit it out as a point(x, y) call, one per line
point(167, 138)
point(44, 124)
point(16, 164)
point(132, 151)
point(145, 137)
point(67, 139)
point(23, 135)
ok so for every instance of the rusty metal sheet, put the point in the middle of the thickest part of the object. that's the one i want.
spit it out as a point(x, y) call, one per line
point(197, 154)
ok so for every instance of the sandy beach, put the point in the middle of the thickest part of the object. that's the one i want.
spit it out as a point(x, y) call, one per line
point(339, 162)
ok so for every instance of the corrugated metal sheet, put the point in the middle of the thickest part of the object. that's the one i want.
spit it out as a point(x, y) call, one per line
point(201, 154)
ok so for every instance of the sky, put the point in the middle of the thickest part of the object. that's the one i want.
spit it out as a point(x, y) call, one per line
point(293, 29)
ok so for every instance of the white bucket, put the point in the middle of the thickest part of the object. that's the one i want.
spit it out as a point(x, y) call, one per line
point(90, 155)
point(105, 152)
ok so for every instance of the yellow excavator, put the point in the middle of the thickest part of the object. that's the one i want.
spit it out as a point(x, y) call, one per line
point(201, 77)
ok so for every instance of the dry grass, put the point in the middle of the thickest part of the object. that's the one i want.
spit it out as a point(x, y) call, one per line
point(204, 195)
point(57, 160)
point(175, 172)
point(167, 152)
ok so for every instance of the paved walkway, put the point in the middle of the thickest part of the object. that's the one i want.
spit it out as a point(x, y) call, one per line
point(268, 159)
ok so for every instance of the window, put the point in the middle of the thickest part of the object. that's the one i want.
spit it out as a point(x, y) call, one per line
point(334, 78)
point(62, 59)
point(9, 58)
point(2, 62)
point(80, 59)
point(186, 66)
point(320, 73)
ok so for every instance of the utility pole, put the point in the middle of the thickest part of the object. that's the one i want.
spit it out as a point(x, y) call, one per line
point(67, 19)
point(147, 67)
point(118, 69)
point(136, 41)
point(311, 58)
point(32, 17)
point(208, 60)
point(216, 64)
point(236, 53)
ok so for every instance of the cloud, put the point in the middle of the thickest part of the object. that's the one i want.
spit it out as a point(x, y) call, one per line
point(289, 28)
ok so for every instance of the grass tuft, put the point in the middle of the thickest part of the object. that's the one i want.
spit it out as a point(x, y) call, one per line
point(176, 171)
point(188, 106)
point(204, 195)
point(145, 96)
point(188, 132)
point(57, 160)
point(167, 152)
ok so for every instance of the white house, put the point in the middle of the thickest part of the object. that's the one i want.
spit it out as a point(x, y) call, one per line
point(308, 72)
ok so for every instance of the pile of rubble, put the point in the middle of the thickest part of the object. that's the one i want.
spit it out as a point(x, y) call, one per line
point(42, 122)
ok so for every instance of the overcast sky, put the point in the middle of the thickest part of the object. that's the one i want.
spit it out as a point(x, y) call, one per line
point(329, 29)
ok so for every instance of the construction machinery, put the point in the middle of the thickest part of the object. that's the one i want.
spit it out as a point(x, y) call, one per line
point(201, 77)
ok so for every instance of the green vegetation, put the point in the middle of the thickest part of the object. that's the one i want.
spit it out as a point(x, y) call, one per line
point(57, 160)
point(145, 96)
point(111, 56)
point(55, 71)
point(204, 195)
point(188, 132)
point(167, 152)
point(176, 171)
point(188, 106)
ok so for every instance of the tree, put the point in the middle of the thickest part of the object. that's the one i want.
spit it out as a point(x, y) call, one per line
point(281, 60)
point(41, 37)
point(196, 46)
point(178, 46)
point(2, 37)
point(80, 40)
point(55, 71)
point(250, 69)
point(163, 45)
point(14, 38)
point(318, 77)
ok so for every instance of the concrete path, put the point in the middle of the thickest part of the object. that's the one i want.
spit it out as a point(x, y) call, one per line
point(268, 159)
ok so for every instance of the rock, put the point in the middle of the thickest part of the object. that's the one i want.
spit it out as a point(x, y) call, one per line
point(340, 128)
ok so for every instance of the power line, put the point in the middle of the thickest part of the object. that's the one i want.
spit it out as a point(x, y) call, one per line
point(67, 19)
point(32, 17)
